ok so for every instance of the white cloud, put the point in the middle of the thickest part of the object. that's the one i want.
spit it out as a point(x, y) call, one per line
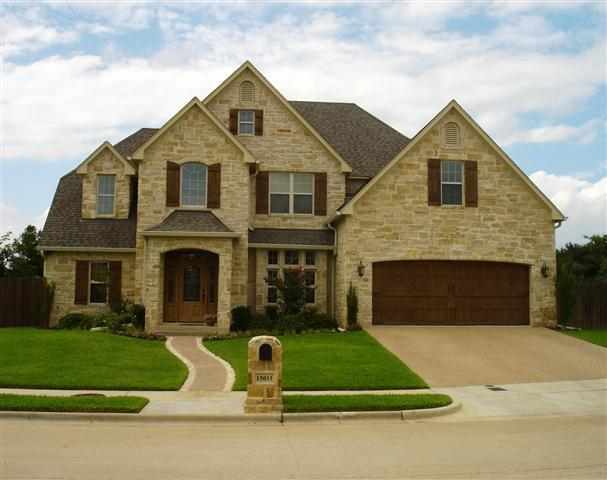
point(584, 133)
point(584, 203)
point(12, 220)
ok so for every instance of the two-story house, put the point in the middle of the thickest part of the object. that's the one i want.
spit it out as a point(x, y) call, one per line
point(198, 216)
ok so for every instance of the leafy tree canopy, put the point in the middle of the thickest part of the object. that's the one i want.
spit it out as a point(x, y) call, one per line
point(20, 257)
point(587, 261)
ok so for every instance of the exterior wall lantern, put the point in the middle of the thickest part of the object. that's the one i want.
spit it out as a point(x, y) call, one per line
point(361, 269)
point(545, 270)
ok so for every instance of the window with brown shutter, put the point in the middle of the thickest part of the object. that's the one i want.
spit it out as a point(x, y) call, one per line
point(214, 186)
point(172, 187)
point(434, 183)
point(320, 194)
point(471, 182)
point(234, 122)
point(115, 284)
point(258, 122)
point(261, 193)
point(81, 296)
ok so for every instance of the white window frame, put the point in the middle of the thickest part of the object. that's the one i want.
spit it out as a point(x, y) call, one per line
point(106, 283)
point(281, 267)
point(105, 195)
point(291, 193)
point(461, 165)
point(252, 123)
point(206, 186)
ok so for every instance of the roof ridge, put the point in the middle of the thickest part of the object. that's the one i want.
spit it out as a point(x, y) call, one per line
point(322, 101)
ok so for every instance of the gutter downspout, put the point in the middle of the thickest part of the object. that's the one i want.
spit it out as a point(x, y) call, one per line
point(334, 272)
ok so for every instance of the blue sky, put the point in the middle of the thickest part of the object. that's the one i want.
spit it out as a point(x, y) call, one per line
point(533, 75)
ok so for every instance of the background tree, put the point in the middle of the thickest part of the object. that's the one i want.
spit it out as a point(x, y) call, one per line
point(21, 258)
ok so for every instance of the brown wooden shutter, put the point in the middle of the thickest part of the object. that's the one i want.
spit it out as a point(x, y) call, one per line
point(214, 186)
point(81, 296)
point(434, 181)
point(471, 180)
point(258, 122)
point(115, 284)
point(234, 122)
point(172, 184)
point(320, 194)
point(261, 193)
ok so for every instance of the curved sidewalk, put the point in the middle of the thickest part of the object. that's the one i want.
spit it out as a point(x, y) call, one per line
point(206, 372)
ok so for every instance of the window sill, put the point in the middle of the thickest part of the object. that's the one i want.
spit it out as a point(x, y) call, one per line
point(198, 209)
point(105, 215)
point(296, 215)
point(453, 206)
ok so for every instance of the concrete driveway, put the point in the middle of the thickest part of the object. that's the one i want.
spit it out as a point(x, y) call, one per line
point(458, 356)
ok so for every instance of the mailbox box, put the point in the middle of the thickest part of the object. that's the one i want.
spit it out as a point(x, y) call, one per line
point(264, 388)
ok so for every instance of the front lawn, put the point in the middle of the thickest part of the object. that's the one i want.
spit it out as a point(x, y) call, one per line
point(598, 337)
point(76, 359)
point(363, 403)
point(326, 361)
point(85, 403)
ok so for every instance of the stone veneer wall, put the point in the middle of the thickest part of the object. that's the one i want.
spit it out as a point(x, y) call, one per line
point(194, 138)
point(393, 221)
point(153, 287)
point(284, 146)
point(105, 163)
point(60, 268)
point(321, 278)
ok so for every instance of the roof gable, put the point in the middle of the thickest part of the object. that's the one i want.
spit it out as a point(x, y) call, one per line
point(138, 154)
point(82, 169)
point(348, 208)
point(345, 166)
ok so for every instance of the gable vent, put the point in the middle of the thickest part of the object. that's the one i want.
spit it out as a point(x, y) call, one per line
point(452, 137)
point(247, 92)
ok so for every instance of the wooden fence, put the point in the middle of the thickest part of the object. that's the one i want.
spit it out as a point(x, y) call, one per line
point(25, 302)
point(590, 310)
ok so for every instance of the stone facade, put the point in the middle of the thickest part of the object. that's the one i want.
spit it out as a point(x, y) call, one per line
point(60, 268)
point(264, 386)
point(106, 163)
point(393, 221)
point(285, 146)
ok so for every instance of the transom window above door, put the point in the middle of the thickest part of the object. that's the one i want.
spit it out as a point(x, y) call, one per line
point(452, 182)
point(193, 185)
point(291, 193)
point(246, 122)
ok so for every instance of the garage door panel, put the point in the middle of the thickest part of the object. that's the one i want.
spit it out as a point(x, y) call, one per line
point(450, 293)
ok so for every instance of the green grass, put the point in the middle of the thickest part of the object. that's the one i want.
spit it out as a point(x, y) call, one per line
point(85, 403)
point(598, 337)
point(326, 361)
point(75, 359)
point(363, 403)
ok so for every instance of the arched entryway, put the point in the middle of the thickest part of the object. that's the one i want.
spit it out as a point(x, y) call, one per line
point(190, 286)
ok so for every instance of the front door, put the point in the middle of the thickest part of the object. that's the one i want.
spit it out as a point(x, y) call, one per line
point(191, 287)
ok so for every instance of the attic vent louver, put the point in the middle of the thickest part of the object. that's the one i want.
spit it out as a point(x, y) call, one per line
point(247, 92)
point(452, 137)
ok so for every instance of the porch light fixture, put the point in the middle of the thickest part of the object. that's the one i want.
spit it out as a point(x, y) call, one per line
point(545, 270)
point(360, 269)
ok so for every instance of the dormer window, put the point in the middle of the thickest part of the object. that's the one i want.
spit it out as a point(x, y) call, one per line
point(246, 122)
point(106, 192)
point(452, 137)
point(193, 185)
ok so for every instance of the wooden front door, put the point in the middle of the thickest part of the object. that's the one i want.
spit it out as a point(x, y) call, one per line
point(190, 287)
point(429, 292)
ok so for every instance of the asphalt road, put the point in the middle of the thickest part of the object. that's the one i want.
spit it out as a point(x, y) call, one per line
point(534, 447)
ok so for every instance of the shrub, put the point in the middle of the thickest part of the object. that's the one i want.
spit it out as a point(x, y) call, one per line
point(138, 313)
point(266, 322)
point(565, 293)
point(318, 321)
point(115, 322)
point(292, 291)
point(241, 319)
point(76, 320)
point(294, 323)
point(352, 303)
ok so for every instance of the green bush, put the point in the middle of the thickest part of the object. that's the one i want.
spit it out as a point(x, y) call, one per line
point(352, 304)
point(241, 319)
point(291, 291)
point(294, 323)
point(73, 321)
point(318, 321)
point(138, 313)
point(565, 293)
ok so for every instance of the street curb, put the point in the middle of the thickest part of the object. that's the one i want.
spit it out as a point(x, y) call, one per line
point(242, 418)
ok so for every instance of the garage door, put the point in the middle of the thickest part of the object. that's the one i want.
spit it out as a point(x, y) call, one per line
point(450, 293)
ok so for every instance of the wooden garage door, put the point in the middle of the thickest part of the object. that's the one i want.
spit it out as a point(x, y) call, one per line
point(422, 292)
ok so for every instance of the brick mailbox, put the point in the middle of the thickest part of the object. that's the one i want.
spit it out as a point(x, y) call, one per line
point(264, 389)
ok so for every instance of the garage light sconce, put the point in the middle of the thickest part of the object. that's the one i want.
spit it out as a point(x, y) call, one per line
point(545, 270)
point(360, 269)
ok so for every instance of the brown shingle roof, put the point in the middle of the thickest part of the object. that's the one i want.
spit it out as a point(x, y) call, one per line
point(190, 221)
point(65, 228)
point(364, 141)
point(291, 236)
point(127, 146)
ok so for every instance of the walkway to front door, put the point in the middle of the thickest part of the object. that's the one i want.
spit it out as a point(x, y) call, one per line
point(190, 287)
point(206, 372)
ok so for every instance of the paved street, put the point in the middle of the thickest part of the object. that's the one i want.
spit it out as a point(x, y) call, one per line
point(535, 447)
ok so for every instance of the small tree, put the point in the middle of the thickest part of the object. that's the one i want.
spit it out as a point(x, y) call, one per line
point(352, 302)
point(565, 292)
point(291, 291)
point(21, 258)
